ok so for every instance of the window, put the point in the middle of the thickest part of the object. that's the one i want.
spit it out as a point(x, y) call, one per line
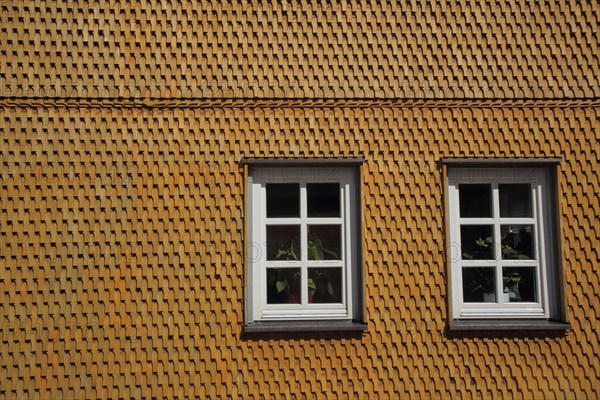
point(503, 247)
point(303, 243)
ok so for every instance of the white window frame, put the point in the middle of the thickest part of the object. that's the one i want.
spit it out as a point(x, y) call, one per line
point(544, 242)
point(258, 178)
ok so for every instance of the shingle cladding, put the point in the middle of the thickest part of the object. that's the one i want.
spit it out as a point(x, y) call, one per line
point(408, 49)
point(122, 235)
point(122, 208)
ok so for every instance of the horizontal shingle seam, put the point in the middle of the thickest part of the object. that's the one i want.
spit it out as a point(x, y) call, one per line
point(299, 103)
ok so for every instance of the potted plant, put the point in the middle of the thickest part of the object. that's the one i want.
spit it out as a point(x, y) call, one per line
point(322, 286)
point(317, 251)
point(287, 281)
point(511, 286)
point(482, 251)
point(481, 285)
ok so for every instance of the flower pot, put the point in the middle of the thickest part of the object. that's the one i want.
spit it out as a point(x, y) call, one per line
point(293, 298)
point(489, 297)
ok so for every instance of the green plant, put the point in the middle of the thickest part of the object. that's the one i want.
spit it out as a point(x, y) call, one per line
point(320, 282)
point(317, 251)
point(483, 250)
point(512, 280)
point(291, 252)
point(508, 253)
point(479, 281)
point(315, 247)
point(289, 279)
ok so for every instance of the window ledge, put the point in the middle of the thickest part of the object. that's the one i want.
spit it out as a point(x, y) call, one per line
point(304, 326)
point(508, 325)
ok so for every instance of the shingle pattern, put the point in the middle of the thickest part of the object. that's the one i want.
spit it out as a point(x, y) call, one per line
point(122, 210)
point(291, 49)
point(123, 274)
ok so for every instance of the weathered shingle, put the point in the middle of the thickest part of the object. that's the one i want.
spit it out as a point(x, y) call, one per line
point(123, 267)
point(184, 49)
point(122, 211)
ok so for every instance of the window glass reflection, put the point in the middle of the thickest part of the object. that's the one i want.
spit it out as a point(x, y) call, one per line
point(283, 200)
point(515, 200)
point(519, 284)
point(283, 242)
point(324, 242)
point(475, 200)
point(477, 242)
point(479, 285)
point(324, 285)
point(517, 242)
point(323, 200)
point(283, 285)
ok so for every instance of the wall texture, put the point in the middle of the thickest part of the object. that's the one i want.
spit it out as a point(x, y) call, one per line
point(122, 200)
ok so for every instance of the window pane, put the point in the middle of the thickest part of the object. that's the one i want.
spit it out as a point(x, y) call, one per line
point(324, 285)
point(517, 242)
point(479, 285)
point(477, 242)
point(519, 284)
point(475, 200)
point(515, 200)
point(323, 200)
point(283, 285)
point(283, 200)
point(283, 242)
point(324, 242)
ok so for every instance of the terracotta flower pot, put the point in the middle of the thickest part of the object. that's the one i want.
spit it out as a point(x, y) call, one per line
point(293, 298)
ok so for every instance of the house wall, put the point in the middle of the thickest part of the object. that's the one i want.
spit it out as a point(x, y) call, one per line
point(122, 216)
